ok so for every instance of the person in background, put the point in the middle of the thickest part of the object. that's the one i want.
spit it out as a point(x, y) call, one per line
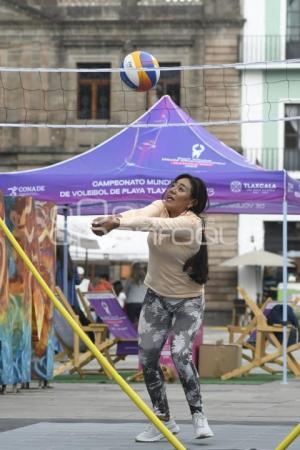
point(84, 282)
point(83, 286)
point(275, 317)
point(135, 291)
point(174, 302)
point(100, 284)
point(119, 291)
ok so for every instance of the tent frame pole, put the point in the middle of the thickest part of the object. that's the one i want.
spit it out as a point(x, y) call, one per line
point(65, 253)
point(285, 279)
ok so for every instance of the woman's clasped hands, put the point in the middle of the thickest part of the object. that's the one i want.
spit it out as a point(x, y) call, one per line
point(104, 224)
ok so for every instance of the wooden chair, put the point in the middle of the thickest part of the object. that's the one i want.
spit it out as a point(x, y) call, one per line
point(75, 354)
point(107, 308)
point(245, 335)
point(295, 301)
point(264, 334)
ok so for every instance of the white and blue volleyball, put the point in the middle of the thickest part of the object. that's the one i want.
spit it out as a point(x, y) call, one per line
point(140, 80)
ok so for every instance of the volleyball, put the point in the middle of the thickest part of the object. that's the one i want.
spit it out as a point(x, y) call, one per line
point(140, 80)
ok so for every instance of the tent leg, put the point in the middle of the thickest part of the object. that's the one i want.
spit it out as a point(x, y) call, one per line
point(86, 261)
point(284, 300)
point(65, 257)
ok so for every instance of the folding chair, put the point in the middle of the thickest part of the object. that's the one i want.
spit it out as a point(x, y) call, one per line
point(75, 354)
point(264, 334)
point(246, 335)
point(107, 308)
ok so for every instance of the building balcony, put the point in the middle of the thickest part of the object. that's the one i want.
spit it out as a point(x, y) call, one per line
point(274, 158)
point(266, 48)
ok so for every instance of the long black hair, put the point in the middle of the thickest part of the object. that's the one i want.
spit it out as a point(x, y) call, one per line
point(197, 265)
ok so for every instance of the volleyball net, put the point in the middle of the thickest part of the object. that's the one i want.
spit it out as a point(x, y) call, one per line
point(96, 97)
point(91, 99)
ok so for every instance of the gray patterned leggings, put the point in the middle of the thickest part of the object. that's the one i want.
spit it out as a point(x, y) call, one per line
point(180, 318)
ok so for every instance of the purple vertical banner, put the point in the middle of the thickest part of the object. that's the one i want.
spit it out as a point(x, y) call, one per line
point(110, 312)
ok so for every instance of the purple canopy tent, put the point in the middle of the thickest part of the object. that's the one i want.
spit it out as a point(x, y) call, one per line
point(134, 167)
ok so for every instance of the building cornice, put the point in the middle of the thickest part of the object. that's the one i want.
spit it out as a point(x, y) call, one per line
point(23, 8)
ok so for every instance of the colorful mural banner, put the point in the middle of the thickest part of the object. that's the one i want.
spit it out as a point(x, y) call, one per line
point(33, 252)
point(42, 354)
point(3, 268)
point(26, 313)
point(18, 319)
point(6, 366)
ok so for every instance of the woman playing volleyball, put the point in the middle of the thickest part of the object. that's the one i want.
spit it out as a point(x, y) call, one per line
point(174, 301)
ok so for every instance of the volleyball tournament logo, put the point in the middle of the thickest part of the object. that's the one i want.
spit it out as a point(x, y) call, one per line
point(195, 160)
point(197, 150)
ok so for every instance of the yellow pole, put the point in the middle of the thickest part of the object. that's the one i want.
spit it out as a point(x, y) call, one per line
point(102, 360)
point(289, 438)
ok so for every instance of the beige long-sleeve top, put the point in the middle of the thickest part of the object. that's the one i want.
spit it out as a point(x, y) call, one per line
point(172, 241)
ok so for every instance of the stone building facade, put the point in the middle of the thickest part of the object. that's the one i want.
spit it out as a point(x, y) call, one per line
point(99, 33)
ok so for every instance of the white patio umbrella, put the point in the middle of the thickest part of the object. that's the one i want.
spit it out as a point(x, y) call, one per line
point(260, 258)
point(257, 259)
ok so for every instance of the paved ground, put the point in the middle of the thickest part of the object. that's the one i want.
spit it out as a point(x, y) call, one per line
point(100, 416)
point(118, 436)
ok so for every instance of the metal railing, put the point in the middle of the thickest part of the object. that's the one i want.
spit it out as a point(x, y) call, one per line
point(271, 158)
point(268, 158)
point(260, 48)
